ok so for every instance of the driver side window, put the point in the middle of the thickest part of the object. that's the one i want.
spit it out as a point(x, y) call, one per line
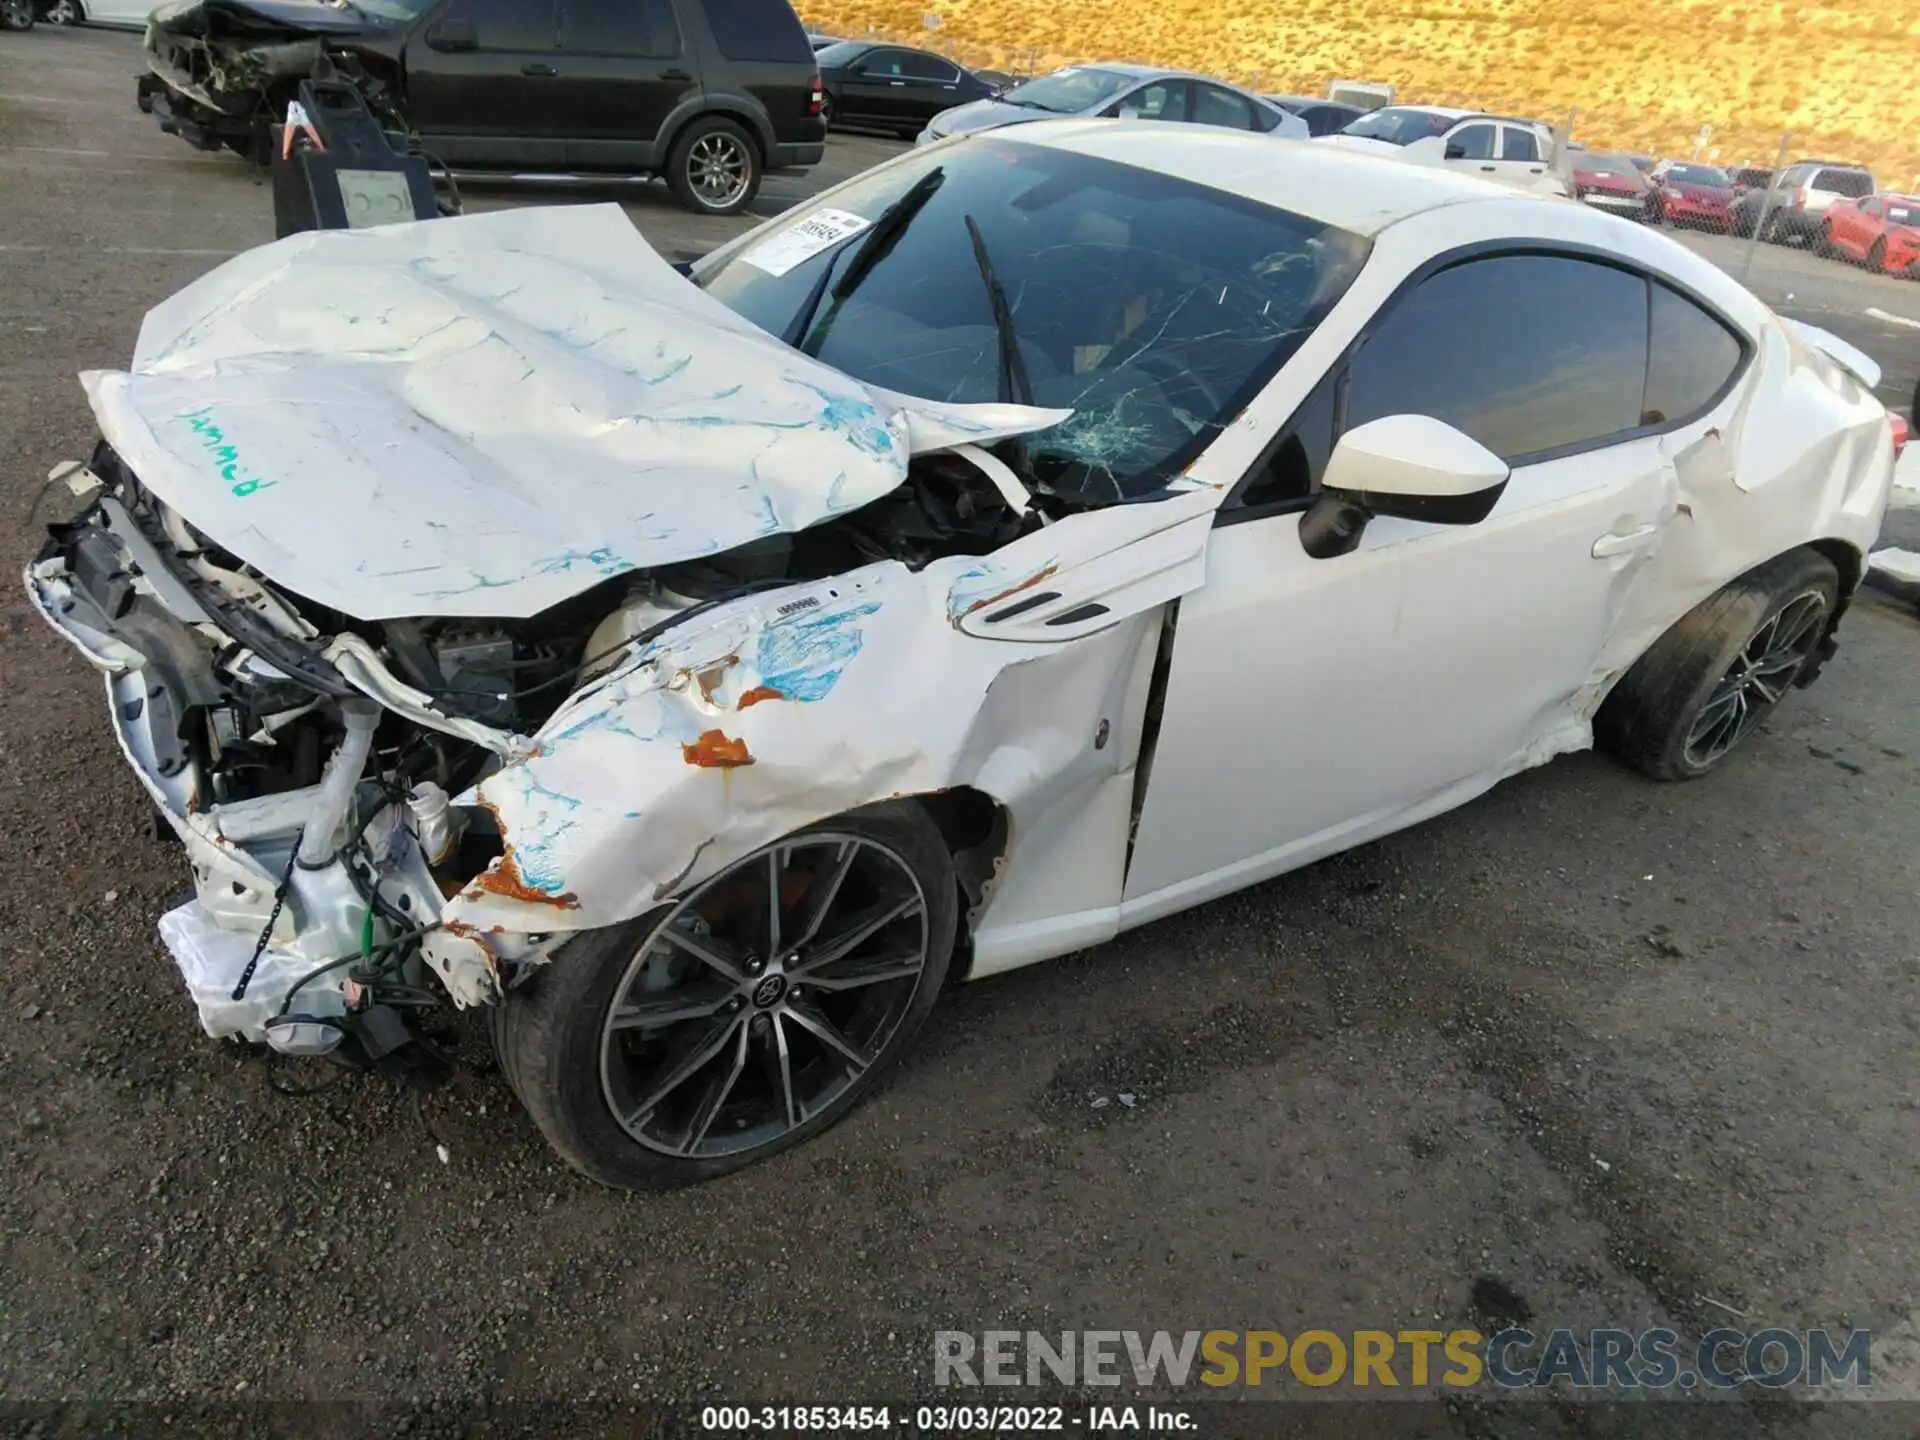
point(1162, 100)
point(1471, 142)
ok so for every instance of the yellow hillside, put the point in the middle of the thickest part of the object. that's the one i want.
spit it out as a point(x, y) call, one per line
point(1644, 77)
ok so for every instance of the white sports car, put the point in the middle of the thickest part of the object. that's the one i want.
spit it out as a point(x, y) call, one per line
point(1037, 535)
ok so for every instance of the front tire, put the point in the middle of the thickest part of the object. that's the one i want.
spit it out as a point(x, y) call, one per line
point(1877, 257)
point(1705, 685)
point(16, 14)
point(746, 1016)
point(714, 168)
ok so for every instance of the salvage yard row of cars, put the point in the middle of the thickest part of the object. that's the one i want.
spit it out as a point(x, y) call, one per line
point(712, 94)
point(695, 669)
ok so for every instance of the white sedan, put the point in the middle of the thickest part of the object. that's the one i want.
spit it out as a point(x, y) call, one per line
point(113, 14)
point(1035, 536)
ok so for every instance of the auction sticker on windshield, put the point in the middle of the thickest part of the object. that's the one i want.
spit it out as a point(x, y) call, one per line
point(819, 231)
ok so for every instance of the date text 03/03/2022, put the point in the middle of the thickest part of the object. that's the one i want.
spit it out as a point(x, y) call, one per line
point(943, 1419)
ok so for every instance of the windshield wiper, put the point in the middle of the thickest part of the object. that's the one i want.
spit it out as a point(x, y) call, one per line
point(872, 249)
point(1015, 384)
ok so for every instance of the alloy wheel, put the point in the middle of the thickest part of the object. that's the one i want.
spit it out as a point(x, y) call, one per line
point(63, 12)
point(18, 14)
point(1758, 679)
point(764, 996)
point(718, 169)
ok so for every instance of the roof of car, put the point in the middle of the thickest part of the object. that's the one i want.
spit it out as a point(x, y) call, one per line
point(1340, 187)
point(1126, 67)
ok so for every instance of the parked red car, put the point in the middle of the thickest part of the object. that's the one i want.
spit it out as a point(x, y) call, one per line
point(1692, 194)
point(1881, 231)
point(1615, 184)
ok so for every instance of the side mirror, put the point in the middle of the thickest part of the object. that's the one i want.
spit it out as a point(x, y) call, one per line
point(452, 35)
point(1455, 150)
point(1412, 467)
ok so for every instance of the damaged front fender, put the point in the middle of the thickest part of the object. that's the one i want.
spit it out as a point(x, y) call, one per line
point(783, 709)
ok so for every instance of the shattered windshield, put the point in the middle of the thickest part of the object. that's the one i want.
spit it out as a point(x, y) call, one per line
point(1068, 92)
point(1152, 307)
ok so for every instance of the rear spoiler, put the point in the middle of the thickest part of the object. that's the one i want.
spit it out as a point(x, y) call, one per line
point(1854, 362)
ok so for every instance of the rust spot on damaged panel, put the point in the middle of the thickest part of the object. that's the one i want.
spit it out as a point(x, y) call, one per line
point(1026, 584)
point(759, 693)
point(709, 679)
point(503, 878)
point(715, 751)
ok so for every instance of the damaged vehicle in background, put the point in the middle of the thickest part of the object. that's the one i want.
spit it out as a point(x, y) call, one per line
point(707, 94)
point(1038, 535)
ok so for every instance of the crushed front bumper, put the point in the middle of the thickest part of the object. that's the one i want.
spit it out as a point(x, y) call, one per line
point(171, 664)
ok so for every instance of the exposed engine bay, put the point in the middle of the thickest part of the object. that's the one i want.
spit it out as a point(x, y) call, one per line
point(220, 73)
point(322, 825)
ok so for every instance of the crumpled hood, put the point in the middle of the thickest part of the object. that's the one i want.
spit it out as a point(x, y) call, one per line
point(486, 415)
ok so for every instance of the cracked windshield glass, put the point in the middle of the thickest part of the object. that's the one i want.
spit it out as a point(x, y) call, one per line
point(1111, 308)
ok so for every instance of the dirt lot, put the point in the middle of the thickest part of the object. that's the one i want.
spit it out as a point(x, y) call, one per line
point(1592, 1049)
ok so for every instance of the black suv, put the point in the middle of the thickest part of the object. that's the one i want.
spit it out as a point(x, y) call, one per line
point(709, 94)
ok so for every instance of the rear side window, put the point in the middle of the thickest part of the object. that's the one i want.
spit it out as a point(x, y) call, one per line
point(1690, 359)
point(620, 27)
point(1853, 183)
point(1214, 106)
point(1518, 144)
point(758, 30)
point(1525, 353)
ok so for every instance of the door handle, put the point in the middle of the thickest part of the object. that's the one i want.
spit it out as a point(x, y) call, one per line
point(896, 83)
point(1487, 168)
point(678, 76)
point(1536, 170)
point(1608, 546)
point(536, 68)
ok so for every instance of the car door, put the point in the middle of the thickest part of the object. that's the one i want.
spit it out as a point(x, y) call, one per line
point(873, 88)
point(932, 85)
point(1312, 704)
point(480, 84)
point(623, 67)
point(1850, 225)
point(1523, 160)
point(1156, 100)
point(1471, 147)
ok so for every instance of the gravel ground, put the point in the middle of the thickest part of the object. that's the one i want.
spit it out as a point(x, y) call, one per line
point(1591, 1049)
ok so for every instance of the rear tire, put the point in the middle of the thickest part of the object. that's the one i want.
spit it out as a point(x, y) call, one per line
point(1706, 684)
point(16, 14)
point(687, 1043)
point(63, 13)
point(714, 168)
